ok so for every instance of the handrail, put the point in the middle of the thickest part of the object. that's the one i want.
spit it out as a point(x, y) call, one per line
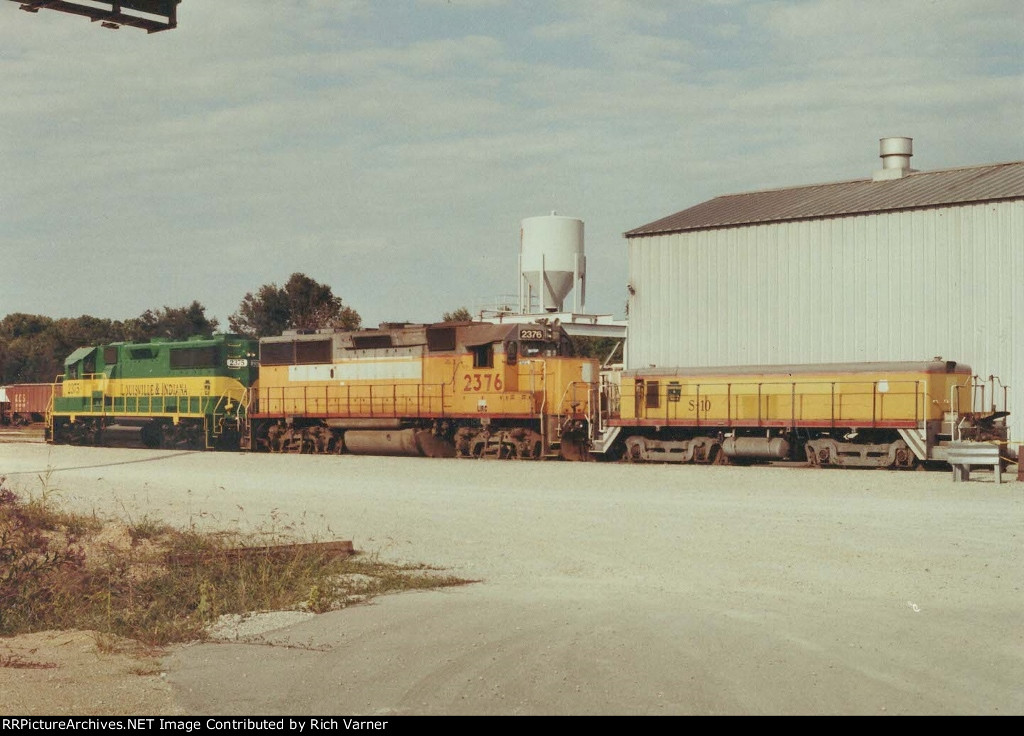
point(124, 405)
point(390, 400)
point(870, 404)
point(571, 386)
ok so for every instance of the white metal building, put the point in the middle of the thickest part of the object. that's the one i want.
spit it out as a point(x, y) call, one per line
point(905, 265)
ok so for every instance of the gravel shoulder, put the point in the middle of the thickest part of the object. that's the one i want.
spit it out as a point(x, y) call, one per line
point(81, 673)
point(605, 588)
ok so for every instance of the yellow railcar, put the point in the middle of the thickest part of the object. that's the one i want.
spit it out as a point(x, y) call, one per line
point(859, 414)
point(446, 389)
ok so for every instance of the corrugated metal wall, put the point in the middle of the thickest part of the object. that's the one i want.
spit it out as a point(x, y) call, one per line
point(894, 286)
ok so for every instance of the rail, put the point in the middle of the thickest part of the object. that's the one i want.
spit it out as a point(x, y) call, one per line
point(49, 407)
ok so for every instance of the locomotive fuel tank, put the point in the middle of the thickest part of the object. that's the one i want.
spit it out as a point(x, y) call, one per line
point(382, 442)
point(762, 448)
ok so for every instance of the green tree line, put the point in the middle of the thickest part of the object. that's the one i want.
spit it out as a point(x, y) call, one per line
point(33, 346)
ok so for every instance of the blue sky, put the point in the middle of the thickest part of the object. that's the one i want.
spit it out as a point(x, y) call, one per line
point(391, 148)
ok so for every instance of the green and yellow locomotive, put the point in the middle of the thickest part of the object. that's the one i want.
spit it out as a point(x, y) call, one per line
point(173, 394)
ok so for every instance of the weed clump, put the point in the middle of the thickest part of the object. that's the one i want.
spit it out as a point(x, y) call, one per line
point(38, 556)
point(159, 585)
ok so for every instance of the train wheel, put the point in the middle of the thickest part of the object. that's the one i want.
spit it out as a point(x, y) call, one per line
point(150, 435)
point(230, 439)
point(60, 432)
point(194, 438)
point(434, 446)
point(82, 432)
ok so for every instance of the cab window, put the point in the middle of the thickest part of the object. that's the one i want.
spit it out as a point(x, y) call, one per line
point(534, 349)
point(652, 395)
point(483, 356)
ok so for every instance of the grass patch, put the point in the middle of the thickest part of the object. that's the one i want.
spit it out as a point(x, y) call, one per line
point(158, 585)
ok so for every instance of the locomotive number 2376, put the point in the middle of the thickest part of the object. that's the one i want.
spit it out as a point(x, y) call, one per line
point(482, 382)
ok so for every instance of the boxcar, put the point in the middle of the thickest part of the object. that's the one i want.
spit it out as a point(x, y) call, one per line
point(27, 402)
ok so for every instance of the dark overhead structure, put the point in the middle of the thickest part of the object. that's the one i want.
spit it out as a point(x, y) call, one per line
point(150, 15)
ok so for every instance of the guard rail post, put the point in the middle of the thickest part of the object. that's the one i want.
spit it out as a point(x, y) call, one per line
point(963, 455)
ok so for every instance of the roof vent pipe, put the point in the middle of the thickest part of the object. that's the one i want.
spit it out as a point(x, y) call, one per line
point(895, 153)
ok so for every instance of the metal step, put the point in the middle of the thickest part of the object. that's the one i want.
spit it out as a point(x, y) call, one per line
point(917, 443)
point(604, 438)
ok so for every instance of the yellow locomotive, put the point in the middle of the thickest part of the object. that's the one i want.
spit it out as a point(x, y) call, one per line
point(449, 389)
point(851, 414)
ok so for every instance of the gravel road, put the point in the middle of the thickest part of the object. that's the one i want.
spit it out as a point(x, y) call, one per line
point(604, 588)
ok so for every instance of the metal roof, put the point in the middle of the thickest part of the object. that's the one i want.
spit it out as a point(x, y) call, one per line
point(861, 196)
point(935, 365)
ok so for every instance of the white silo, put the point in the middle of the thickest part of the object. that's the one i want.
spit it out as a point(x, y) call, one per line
point(551, 263)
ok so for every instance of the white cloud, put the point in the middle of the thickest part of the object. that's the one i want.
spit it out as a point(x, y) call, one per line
point(392, 150)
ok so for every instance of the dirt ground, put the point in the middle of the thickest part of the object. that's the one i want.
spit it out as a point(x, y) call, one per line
point(81, 673)
point(605, 589)
point(78, 672)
